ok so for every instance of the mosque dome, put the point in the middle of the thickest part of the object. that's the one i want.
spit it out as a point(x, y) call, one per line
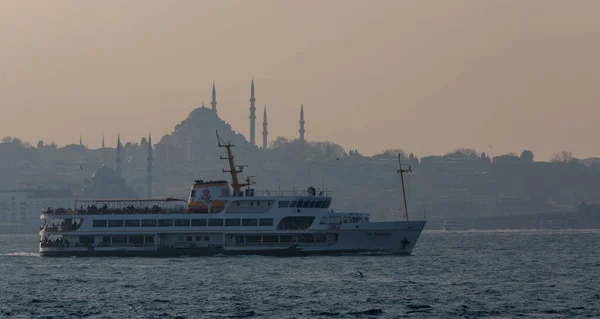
point(106, 183)
point(105, 173)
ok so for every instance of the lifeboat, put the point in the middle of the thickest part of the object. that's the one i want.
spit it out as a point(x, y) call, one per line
point(208, 196)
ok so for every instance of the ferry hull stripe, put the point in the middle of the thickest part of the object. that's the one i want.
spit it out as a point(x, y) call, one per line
point(215, 252)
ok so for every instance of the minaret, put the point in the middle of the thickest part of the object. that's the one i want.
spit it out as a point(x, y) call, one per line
point(102, 151)
point(80, 140)
point(265, 132)
point(252, 115)
point(301, 123)
point(149, 166)
point(118, 165)
point(214, 98)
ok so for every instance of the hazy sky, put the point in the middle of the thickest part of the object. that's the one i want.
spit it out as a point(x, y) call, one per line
point(425, 76)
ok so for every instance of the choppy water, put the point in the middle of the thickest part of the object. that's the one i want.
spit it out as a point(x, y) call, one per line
point(451, 274)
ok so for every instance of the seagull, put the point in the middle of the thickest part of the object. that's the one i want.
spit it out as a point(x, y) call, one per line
point(134, 309)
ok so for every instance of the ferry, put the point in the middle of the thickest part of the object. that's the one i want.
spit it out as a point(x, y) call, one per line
point(222, 218)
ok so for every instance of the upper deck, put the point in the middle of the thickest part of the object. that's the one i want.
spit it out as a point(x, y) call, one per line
point(284, 200)
point(121, 206)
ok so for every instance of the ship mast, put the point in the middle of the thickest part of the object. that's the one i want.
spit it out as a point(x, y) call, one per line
point(233, 170)
point(401, 171)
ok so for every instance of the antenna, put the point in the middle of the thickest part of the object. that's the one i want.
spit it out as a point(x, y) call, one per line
point(401, 171)
point(233, 169)
point(249, 180)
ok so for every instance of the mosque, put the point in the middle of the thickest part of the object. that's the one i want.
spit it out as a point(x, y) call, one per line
point(107, 182)
point(191, 140)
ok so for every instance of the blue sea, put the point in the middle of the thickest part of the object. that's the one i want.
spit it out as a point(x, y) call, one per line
point(502, 274)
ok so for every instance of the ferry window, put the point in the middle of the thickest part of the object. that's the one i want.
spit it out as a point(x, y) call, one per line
point(149, 239)
point(232, 222)
point(284, 204)
point(293, 204)
point(306, 238)
point(239, 239)
point(86, 239)
point(106, 239)
point(198, 222)
point(327, 203)
point(312, 204)
point(198, 238)
point(182, 222)
point(180, 238)
point(265, 222)
point(320, 238)
point(306, 203)
point(299, 203)
point(270, 239)
point(115, 223)
point(119, 239)
point(253, 239)
point(99, 223)
point(287, 239)
point(250, 222)
point(215, 222)
point(132, 223)
point(165, 223)
point(188, 238)
point(257, 203)
point(206, 238)
point(193, 194)
point(136, 239)
point(148, 222)
point(295, 223)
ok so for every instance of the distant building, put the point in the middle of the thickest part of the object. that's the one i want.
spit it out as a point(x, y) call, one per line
point(20, 205)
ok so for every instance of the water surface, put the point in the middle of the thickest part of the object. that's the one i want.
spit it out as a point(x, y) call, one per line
point(507, 274)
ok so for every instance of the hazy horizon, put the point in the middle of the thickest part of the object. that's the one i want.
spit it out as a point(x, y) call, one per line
point(427, 77)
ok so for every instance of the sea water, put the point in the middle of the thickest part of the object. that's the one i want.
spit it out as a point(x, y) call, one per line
point(498, 274)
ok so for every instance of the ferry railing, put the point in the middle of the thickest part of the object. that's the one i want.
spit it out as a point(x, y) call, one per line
point(291, 193)
point(112, 211)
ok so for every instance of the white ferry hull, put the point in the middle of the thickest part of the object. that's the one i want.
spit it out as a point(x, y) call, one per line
point(397, 238)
